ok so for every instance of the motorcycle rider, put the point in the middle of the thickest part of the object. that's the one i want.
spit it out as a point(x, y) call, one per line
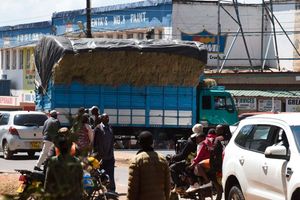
point(202, 161)
point(184, 157)
point(64, 175)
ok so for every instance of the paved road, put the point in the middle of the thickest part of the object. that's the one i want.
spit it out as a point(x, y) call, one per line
point(21, 161)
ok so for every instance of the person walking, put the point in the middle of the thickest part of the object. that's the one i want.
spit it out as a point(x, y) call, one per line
point(50, 129)
point(85, 136)
point(149, 174)
point(104, 148)
point(94, 117)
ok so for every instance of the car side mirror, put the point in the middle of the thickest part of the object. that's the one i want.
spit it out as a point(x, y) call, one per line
point(276, 152)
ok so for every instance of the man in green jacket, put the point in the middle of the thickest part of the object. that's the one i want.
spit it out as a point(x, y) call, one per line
point(149, 174)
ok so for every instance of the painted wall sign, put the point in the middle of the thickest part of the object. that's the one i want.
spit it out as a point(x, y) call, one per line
point(10, 101)
point(292, 105)
point(209, 39)
point(246, 103)
point(23, 34)
point(267, 105)
point(130, 18)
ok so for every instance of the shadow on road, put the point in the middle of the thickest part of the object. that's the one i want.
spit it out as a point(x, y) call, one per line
point(22, 157)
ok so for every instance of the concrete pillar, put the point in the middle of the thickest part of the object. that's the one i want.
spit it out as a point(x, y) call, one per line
point(18, 59)
point(1, 64)
point(10, 59)
point(4, 60)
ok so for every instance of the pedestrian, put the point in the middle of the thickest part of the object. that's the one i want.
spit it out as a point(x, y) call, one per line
point(149, 174)
point(104, 148)
point(64, 175)
point(85, 136)
point(50, 129)
point(95, 115)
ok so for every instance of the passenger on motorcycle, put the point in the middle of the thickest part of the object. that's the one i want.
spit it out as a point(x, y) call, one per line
point(183, 159)
point(64, 175)
point(202, 161)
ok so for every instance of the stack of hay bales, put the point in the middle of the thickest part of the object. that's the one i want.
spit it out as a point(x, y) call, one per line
point(128, 67)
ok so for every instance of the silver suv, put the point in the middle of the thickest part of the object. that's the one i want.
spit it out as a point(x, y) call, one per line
point(21, 131)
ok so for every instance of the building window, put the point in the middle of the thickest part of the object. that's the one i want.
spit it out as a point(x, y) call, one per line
point(21, 59)
point(120, 36)
point(297, 6)
point(14, 59)
point(109, 36)
point(7, 60)
point(28, 59)
point(140, 36)
point(129, 36)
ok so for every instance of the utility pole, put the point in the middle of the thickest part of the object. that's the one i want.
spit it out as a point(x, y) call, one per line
point(88, 19)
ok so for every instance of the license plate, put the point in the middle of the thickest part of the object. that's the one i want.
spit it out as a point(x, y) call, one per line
point(21, 188)
point(35, 145)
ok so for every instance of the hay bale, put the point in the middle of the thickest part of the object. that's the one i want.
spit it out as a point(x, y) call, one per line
point(128, 67)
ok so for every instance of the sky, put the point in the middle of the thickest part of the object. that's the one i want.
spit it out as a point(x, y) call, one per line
point(13, 12)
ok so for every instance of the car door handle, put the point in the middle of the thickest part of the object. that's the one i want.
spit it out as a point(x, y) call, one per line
point(242, 160)
point(265, 168)
point(289, 172)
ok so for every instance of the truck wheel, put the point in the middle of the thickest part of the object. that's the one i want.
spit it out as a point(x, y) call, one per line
point(7, 154)
point(235, 193)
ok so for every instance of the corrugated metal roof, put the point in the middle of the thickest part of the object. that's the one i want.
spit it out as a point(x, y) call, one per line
point(266, 93)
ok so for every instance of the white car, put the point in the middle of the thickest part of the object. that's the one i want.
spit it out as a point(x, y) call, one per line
point(262, 159)
point(21, 131)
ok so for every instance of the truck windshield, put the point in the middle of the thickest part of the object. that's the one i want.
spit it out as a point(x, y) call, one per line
point(223, 102)
point(296, 133)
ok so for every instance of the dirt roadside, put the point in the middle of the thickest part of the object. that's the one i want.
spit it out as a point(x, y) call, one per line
point(9, 180)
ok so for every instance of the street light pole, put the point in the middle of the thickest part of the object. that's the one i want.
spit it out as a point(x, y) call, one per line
point(88, 19)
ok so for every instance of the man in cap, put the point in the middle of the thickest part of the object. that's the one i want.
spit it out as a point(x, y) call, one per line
point(50, 129)
point(149, 175)
point(185, 156)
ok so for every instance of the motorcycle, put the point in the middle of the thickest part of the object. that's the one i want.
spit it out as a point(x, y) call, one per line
point(31, 184)
point(95, 182)
point(214, 191)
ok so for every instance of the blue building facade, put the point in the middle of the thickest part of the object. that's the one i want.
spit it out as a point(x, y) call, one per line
point(130, 20)
point(23, 34)
point(139, 15)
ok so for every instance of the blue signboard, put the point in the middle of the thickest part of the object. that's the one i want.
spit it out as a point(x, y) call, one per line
point(143, 14)
point(209, 39)
point(24, 34)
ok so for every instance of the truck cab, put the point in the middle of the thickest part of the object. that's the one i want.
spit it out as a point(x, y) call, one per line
point(216, 106)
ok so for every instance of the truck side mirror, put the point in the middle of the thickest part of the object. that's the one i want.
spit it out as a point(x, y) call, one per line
point(229, 108)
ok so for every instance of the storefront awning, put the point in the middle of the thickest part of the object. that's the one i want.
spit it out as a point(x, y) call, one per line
point(266, 93)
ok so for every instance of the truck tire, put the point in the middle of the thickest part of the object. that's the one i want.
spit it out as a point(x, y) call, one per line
point(7, 154)
point(235, 193)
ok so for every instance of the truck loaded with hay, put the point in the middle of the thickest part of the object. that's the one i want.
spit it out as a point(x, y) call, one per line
point(150, 84)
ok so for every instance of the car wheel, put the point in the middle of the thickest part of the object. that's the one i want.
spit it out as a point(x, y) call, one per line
point(7, 154)
point(235, 193)
point(30, 154)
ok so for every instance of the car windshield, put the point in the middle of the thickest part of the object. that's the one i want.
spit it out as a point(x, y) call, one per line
point(30, 119)
point(296, 132)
